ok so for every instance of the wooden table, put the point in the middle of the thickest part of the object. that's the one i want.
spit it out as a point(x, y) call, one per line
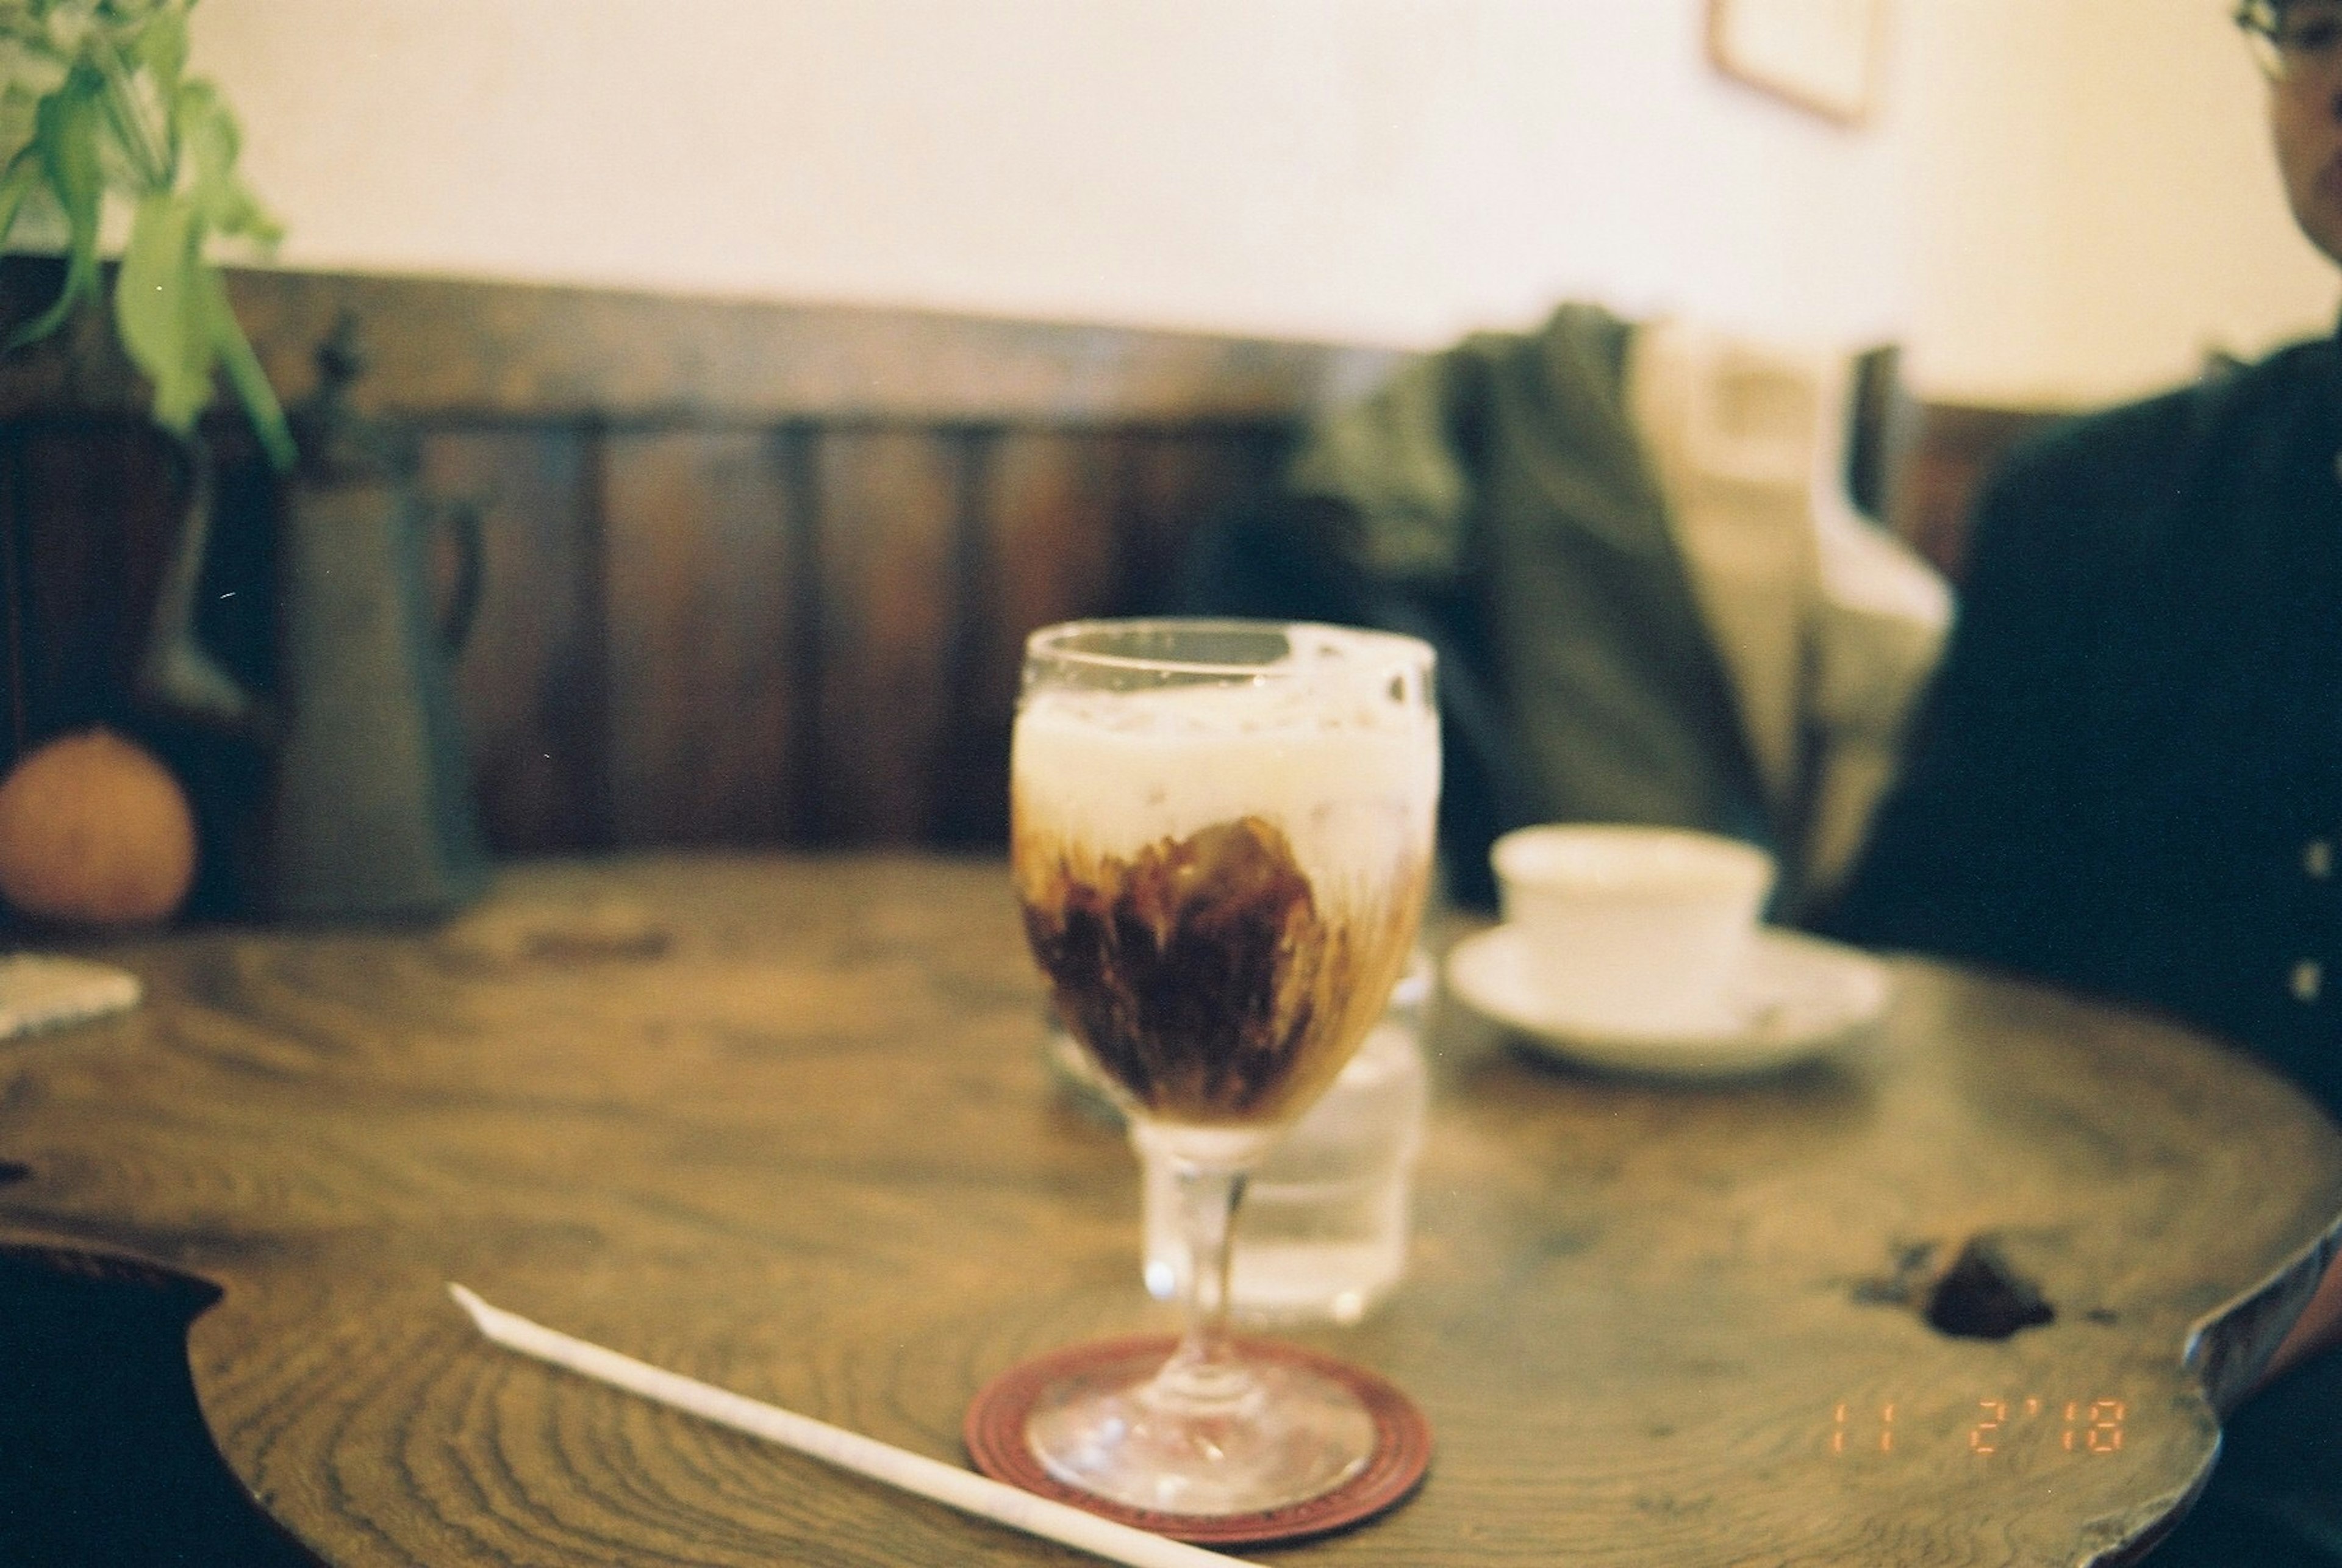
point(784, 1125)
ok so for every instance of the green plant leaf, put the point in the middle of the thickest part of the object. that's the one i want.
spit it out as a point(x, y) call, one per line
point(29, 73)
point(23, 28)
point(65, 135)
point(243, 372)
point(95, 98)
point(17, 110)
point(141, 160)
point(162, 48)
point(24, 172)
point(207, 131)
point(159, 308)
point(66, 24)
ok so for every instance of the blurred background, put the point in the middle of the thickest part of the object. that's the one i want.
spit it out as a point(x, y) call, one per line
point(2052, 204)
point(790, 360)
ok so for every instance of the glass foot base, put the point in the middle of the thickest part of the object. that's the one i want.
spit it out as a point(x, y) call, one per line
point(1274, 1434)
point(1058, 1394)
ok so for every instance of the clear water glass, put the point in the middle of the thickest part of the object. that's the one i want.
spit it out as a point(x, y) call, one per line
point(1322, 1235)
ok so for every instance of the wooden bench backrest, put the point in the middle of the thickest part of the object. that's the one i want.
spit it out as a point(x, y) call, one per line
point(755, 573)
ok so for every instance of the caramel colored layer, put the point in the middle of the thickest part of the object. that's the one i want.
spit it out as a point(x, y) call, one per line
point(1202, 973)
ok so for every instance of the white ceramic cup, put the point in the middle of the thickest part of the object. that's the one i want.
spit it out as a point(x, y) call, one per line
point(1637, 930)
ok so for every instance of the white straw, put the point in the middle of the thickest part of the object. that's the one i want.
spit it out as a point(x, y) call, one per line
point(945, 1484)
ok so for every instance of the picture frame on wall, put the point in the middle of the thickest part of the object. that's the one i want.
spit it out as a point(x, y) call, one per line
point(1823, 56)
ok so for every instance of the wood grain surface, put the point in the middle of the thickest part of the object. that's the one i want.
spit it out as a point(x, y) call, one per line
point(532, 678)
point(894, 504)
point(441, 346)
point(782, 1124)
point(697, 598)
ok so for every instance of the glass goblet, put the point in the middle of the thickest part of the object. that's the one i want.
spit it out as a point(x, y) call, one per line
point(1221, 833)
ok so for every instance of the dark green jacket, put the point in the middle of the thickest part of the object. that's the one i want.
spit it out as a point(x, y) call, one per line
point(1494, 499)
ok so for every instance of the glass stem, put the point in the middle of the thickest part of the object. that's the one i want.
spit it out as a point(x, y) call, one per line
point(1203, 1377)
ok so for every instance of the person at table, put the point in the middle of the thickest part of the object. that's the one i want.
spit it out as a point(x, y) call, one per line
point(2127, 775)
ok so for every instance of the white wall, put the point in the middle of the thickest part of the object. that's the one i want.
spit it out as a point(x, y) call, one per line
point(2095, 203)
point(1381, 170)
point(2060, 201)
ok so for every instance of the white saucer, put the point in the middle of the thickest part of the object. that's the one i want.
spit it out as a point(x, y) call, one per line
point(1797, 996)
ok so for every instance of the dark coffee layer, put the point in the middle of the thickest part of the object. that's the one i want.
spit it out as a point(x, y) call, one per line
point(1202, 973)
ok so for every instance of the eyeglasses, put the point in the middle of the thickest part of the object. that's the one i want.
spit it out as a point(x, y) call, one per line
point(2293, 40)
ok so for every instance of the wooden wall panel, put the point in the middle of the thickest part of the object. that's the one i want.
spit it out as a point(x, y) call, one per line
point(1053, 507)
point(893, 504)
point(758, 573)
point(13, 646)
point(98, 509)
point(1048, 548)
point(530, 679)
point(441, 346)
point(1176, 483)
point(705, 675)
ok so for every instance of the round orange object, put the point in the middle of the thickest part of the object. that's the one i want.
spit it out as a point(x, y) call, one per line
point(94, 832)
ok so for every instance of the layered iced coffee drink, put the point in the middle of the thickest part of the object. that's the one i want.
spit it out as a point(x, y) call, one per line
point(1221, 832)
point(1221, 869)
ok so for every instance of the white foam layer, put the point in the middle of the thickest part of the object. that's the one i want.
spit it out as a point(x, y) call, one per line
point(1325, 747)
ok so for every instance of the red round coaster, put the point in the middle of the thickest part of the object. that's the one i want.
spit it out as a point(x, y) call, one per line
point(994, 1435)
